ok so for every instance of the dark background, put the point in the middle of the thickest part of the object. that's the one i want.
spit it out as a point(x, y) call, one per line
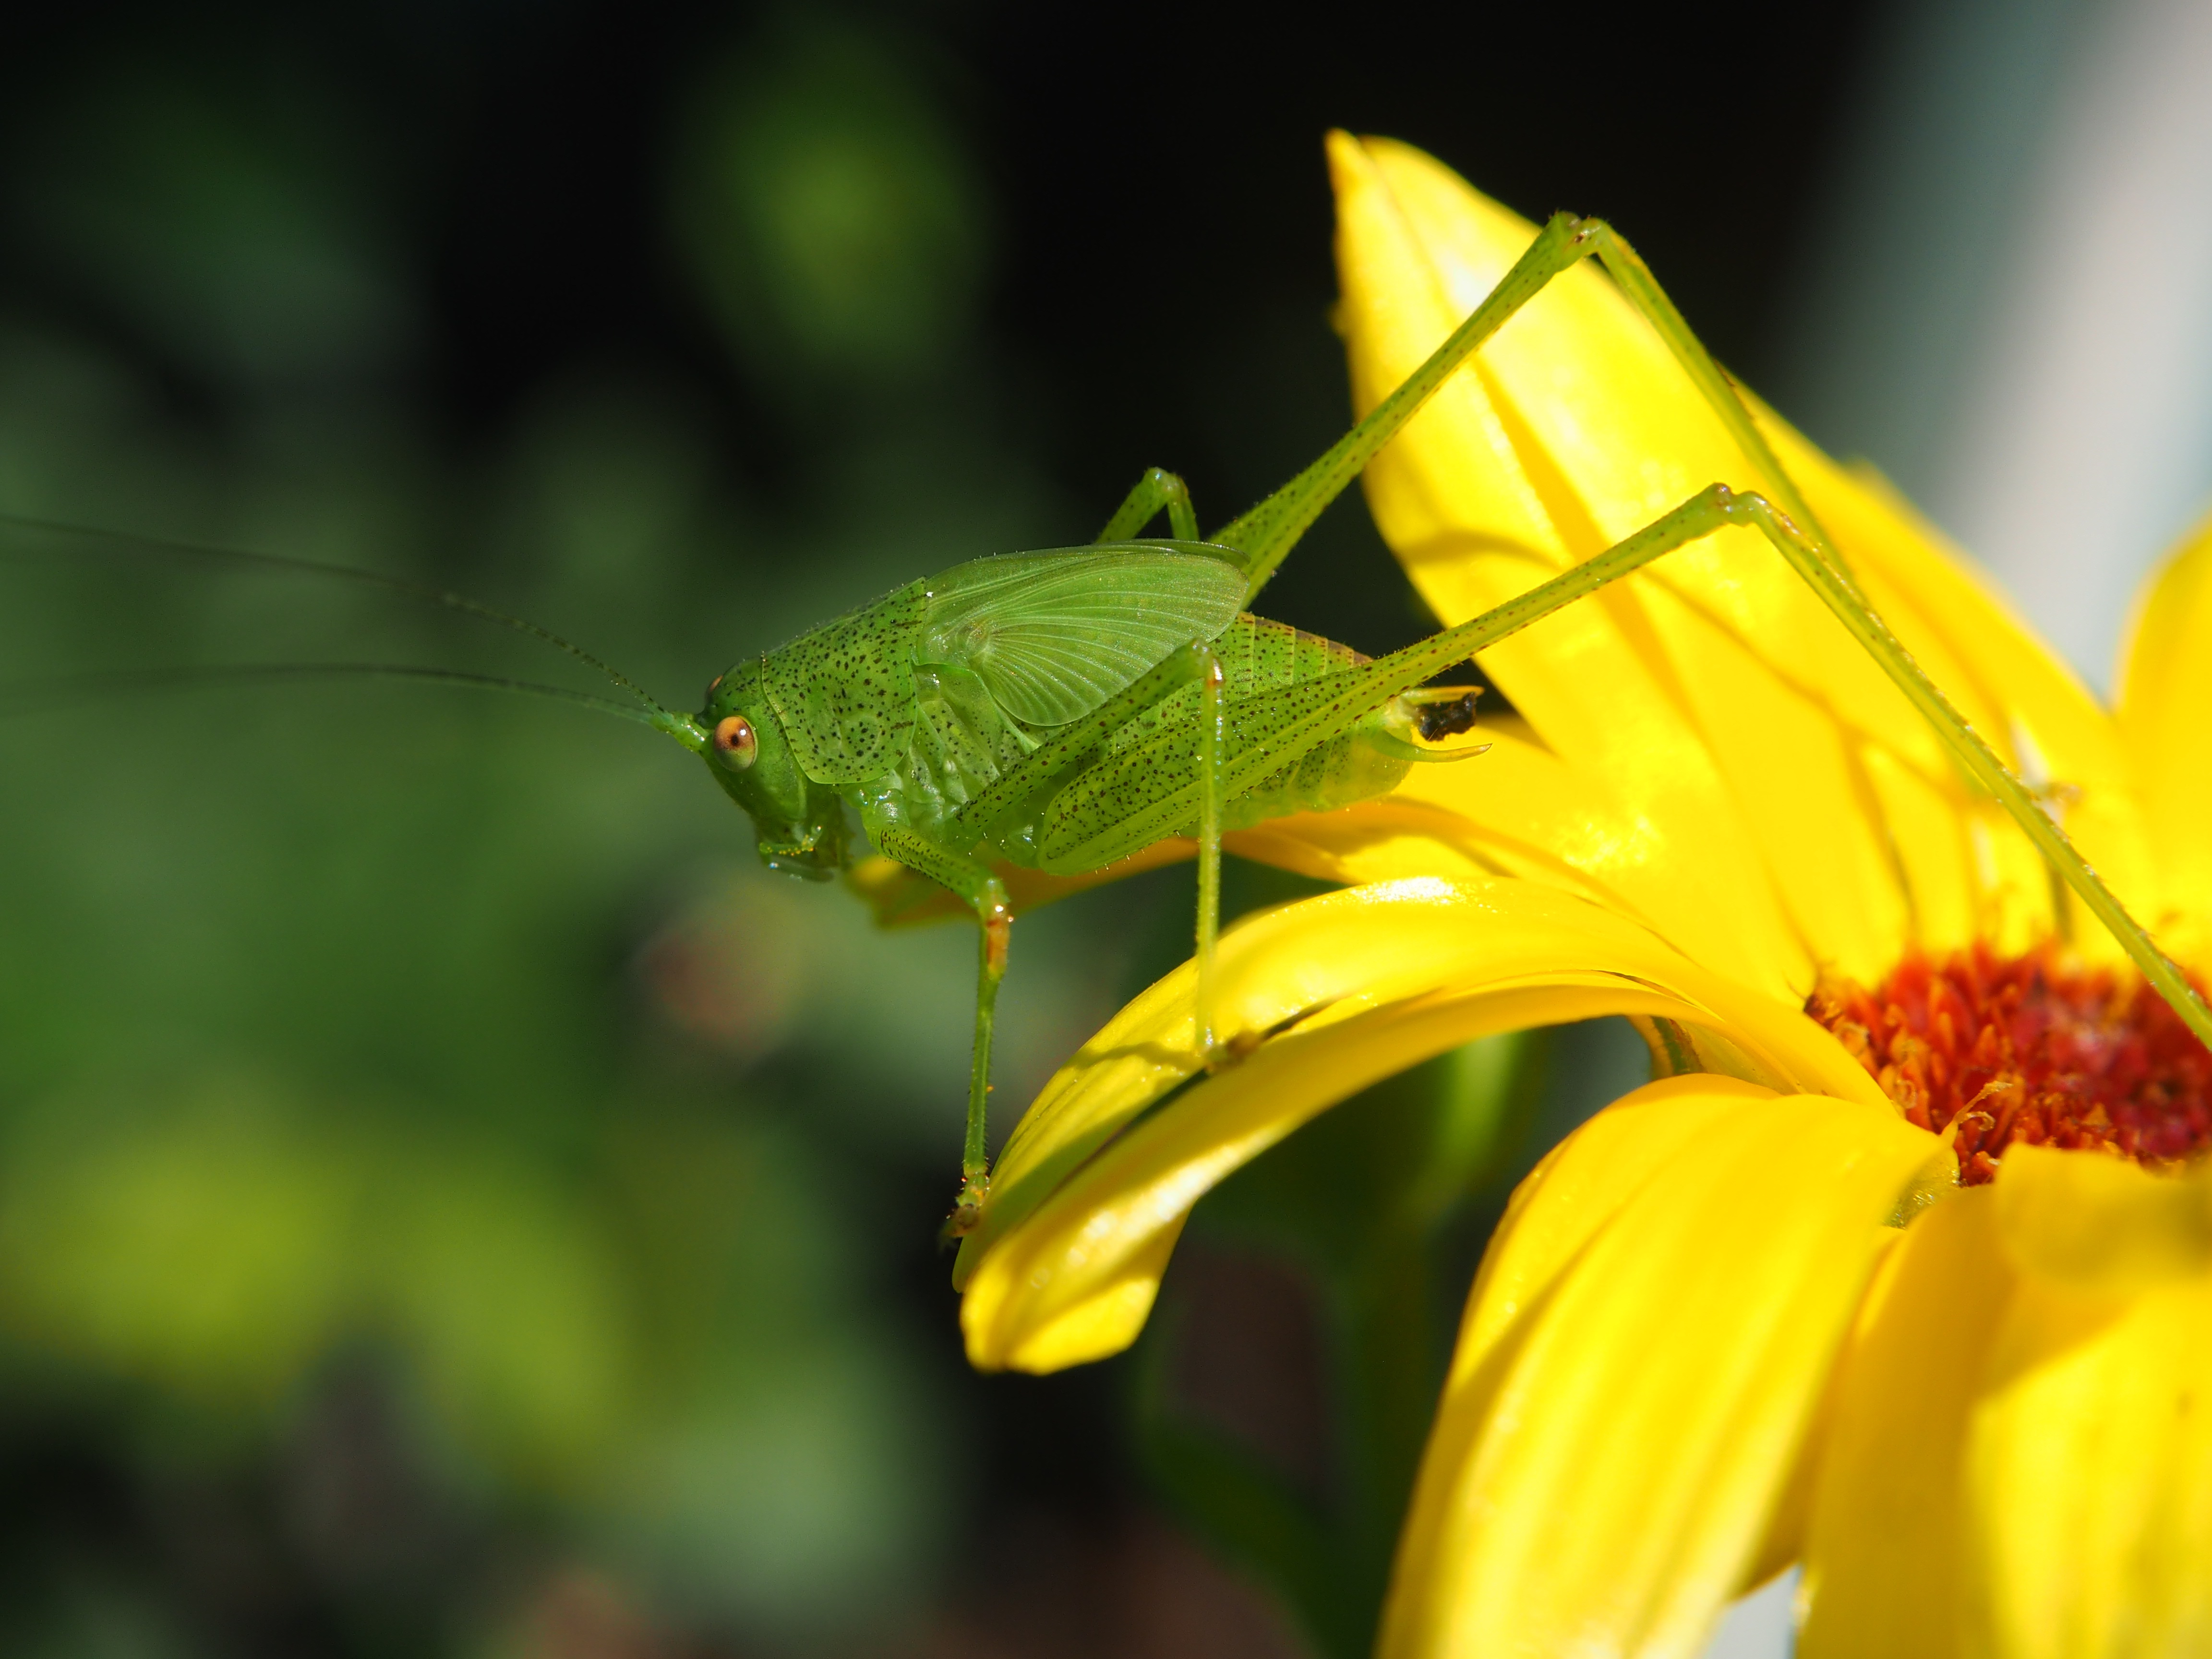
point(676, 327)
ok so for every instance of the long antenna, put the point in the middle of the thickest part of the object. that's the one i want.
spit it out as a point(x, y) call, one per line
point(682, 729)
point(40, 696)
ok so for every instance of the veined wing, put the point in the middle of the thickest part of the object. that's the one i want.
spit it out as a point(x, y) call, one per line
point(1054, 635)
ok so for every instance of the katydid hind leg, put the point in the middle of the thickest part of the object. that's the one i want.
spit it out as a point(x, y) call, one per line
point(1158, 489)
point(1833, 581)
point(1713, 508)
point(978, 887)
point(1794, 530)
point(1297, 719)
point(1828, 577)
point(1267, 532)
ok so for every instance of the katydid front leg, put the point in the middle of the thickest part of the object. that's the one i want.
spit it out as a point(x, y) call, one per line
point(981, 891)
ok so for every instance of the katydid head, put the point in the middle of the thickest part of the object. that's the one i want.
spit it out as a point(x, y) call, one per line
point(800, 823)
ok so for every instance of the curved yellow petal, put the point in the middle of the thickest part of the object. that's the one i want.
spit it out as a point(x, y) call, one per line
point(1727, 710)
point(1393, 839)
point(2089, 1474)
point(2015, 1459)
point(1885, 1547)
point(1520, 810)
point(2166, 722)
point(2099, 1224)
point(1648, 1338)
point(1477, 510)
point(1366, 981)
point(1104, 1322)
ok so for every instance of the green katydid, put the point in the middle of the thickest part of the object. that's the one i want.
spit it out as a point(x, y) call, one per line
point(1061, 711)
point(998, 713)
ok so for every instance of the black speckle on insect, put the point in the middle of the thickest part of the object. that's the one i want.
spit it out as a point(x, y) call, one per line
point(1445, 720)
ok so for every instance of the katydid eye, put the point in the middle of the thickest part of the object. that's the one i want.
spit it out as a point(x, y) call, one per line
point(734, 741)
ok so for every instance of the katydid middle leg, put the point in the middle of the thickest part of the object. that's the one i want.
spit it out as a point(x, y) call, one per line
point(1158, 489)
point(1025, 790)
point(1212, 763)
point(978, 887)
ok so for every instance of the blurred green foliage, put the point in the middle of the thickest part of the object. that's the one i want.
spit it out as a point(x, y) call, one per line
point(826, 211)
point(357, 1031)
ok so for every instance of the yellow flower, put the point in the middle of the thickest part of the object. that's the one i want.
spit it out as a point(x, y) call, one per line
point(1748, 1314)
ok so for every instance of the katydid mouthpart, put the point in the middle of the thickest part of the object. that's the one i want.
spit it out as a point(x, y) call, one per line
point(1061, 711)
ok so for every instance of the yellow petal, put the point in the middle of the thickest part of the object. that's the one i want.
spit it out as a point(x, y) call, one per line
point(1398, 836)
point(1520, 810)
point(2089, 1474)
point(1885, 1550)
point(1648, 1338)
point(2166, 721)
point(1104, 1323)
point(1727, 710)
point(2097, 1224)
point(1462, 497)
point(2014, 1461)
point(1374, 980)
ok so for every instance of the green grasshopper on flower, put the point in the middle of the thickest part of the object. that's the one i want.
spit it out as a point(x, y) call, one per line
point(1062, 711)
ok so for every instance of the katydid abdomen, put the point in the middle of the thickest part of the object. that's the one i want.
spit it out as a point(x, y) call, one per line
point(1094, 822)
point(961, 744)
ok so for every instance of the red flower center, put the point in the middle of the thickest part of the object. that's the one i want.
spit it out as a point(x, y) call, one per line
point(2024, 1048)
